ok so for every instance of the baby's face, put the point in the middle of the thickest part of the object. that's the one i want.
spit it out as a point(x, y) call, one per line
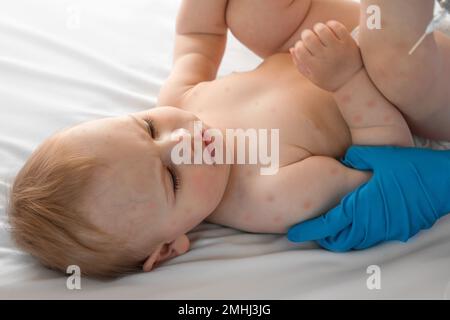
point(141, 196)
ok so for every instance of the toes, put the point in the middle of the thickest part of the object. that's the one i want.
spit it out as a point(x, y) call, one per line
point(301, 57)
point(325, 34)
point(339, 30)
point(311, 42)
point(301, 52)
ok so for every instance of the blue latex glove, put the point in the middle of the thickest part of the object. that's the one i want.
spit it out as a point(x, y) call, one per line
point(408, 192)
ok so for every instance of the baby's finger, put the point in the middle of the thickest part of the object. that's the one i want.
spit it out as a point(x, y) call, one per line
point(301, 58)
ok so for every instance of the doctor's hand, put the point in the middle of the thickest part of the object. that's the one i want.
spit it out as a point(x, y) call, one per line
point(408, 192)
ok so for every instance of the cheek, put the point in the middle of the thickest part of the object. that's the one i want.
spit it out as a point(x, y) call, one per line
point(199, 181)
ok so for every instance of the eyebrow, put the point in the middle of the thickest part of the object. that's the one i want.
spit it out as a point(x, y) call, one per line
point(162, 171)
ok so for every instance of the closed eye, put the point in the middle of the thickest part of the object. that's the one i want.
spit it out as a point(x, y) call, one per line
point(151, 128)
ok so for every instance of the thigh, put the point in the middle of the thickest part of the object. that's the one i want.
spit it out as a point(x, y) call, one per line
point(416, 84)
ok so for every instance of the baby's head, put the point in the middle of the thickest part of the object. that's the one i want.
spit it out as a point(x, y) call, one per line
point(106, 196)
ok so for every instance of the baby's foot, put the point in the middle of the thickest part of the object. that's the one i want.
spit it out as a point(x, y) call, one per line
point(328, 56)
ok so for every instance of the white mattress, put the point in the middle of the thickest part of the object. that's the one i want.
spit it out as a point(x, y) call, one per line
point(57, 70)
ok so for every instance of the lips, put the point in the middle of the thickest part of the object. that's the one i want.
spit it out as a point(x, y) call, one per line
point(208, 143)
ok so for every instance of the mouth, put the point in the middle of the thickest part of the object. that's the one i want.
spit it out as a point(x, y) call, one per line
point(207, 143)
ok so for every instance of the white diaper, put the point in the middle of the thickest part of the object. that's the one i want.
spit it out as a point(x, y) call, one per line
point(420, 142)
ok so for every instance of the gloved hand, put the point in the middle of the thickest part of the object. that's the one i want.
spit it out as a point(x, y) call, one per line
point(408, 192)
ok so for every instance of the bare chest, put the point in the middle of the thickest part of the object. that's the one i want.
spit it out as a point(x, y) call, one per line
point(273, 97)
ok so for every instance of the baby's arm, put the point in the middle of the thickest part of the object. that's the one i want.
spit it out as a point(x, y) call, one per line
point(330, 58)
point(200, 40)
point(306, 189)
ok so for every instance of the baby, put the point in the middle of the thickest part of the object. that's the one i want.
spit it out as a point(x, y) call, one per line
point(107, 196)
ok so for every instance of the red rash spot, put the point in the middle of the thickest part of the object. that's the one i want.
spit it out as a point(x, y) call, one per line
point(383, 74)
point(270, 198)
point(357, 119)
point(307, 205)
point(248, 217)
point(387, 119)
point(371, 104)
point(334, 171)
point(346, 98)
point(277, 218)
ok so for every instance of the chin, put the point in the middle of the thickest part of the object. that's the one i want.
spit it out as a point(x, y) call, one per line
point(216, 178)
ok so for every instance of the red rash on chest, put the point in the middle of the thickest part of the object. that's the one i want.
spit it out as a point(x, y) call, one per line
point(371, 104)
point(346, 98)
point(357, 118)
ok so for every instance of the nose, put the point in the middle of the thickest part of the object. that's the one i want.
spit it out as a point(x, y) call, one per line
point(169, 140)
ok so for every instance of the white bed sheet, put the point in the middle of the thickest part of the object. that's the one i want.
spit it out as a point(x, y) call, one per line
point(63, 62)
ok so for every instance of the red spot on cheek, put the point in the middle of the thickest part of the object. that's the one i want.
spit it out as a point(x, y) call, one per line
point(371, 104)
point(357, 118)
point(199, 181)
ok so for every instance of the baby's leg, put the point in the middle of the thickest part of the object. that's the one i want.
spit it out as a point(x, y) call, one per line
point(417, 84)
point(330, 58)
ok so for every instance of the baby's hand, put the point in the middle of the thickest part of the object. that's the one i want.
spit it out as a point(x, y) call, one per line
point(328, 56)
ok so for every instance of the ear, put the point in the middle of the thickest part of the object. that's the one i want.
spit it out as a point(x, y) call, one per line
point(167, 251)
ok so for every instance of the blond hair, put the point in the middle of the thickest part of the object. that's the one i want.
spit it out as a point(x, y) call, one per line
point(46, 223)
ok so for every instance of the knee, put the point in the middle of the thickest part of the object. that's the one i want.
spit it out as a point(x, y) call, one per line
point(398, 75)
